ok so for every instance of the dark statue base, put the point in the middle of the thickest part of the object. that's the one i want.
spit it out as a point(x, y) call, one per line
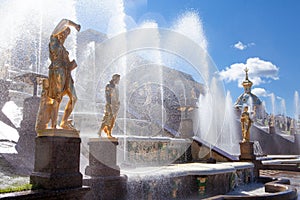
point(57, 161)
point(247, 151)
point(103, 173)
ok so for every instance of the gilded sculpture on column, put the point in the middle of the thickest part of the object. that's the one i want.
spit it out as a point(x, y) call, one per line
point(59, 82)
point(112, 106)
point(246, 124)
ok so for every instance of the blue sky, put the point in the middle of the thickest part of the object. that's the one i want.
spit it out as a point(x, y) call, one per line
point(262, 35)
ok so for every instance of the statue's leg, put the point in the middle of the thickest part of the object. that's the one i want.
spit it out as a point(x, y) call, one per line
point(112, 123)
point(248, 134)
point(106, 130)
point(69, 108)
point(54, 113)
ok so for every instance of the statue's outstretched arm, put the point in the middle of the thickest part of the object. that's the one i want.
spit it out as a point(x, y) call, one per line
point(63, 23)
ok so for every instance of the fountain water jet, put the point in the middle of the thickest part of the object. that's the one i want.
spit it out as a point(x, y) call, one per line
point(229, 132)
point(272, 96)
point(296, 113)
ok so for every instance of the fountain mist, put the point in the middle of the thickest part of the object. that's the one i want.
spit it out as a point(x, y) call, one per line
point(24, 50)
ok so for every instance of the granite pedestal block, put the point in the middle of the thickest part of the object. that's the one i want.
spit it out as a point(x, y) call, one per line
point(247, 151)
point(57, 160)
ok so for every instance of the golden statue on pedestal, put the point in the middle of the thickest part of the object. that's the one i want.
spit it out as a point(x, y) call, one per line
point(246, 124)
point(112, 106)
point(59, 82)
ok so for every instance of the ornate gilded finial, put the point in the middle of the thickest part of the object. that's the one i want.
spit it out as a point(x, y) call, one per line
point(247, 84)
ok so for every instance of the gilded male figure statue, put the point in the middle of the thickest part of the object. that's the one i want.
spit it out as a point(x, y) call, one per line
point(60, 80)
point(112, 106)
point(246, 124)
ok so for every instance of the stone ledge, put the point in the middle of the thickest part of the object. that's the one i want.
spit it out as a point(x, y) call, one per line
point(189, 169)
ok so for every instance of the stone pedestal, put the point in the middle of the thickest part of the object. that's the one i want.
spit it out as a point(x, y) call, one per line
point(102, 157)
point(104, 177)
point(57, 160)
point(247, 151)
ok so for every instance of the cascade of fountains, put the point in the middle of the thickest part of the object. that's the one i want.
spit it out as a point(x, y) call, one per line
point(123, 51)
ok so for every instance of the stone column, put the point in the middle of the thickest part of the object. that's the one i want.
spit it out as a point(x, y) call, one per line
point(103, 173)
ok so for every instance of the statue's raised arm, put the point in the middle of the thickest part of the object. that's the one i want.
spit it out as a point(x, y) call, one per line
point(63, 24)
point(60, 81)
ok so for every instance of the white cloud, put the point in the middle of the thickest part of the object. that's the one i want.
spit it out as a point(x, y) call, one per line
point(239, 45)
point(260, 71)
point(260, 92)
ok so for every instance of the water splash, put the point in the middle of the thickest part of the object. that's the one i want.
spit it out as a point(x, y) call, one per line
point(190, 24)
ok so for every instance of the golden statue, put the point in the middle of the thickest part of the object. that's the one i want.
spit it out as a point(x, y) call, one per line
point(246, 124)
point(112, 106)
point(60, 80)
